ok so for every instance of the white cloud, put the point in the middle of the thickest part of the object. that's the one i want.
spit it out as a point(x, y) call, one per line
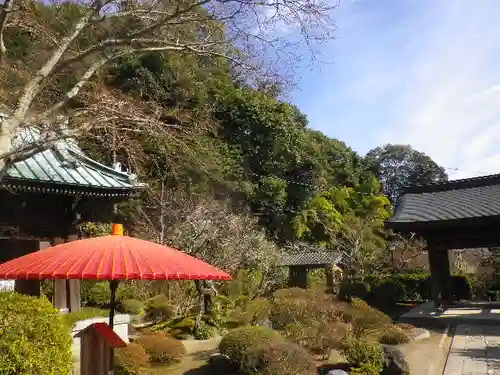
point(449, 103)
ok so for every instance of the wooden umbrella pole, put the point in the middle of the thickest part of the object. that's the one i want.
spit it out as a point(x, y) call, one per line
point(113, 285)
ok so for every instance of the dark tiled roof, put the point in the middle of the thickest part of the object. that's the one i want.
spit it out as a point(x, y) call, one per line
point(65, 165)
point(459, 199)
point(309, 259)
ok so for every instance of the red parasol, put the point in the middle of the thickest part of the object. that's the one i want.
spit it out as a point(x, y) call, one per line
point(115, 257)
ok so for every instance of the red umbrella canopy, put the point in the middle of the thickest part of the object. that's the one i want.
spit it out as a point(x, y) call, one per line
point(113, 257)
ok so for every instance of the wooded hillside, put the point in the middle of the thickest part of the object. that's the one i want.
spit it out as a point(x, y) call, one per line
point(184, 95)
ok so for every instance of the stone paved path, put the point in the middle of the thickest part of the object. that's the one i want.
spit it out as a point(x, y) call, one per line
point(475, 350)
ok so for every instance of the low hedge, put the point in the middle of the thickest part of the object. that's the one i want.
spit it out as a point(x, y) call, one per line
point(406, 287)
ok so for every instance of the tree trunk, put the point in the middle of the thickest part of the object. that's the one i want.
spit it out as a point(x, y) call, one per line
point(205, 300)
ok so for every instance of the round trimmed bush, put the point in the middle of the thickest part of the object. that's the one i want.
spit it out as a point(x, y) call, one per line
point(241, 345)
point(359, 352)
point(161, 348)
point(130, 359)
point(159, 308)
point(394, 336)
point(284, 358)
point(205, 331)
point(131, 306)
point(33, 338)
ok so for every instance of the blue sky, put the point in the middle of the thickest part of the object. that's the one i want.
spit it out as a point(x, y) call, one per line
point(419, 72)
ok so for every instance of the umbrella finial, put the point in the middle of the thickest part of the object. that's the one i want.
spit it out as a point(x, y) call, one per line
point(117, 230)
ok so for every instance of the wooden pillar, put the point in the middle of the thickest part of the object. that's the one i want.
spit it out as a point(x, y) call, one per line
point(298, 277)
point(439, 263)
point(74, 302)
point(27, 287)
point(60, 301)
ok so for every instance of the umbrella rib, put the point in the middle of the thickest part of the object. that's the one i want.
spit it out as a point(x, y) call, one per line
point(89, 263)
point(131, 253)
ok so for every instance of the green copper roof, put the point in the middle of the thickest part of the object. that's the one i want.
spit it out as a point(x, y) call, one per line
point(65, 166)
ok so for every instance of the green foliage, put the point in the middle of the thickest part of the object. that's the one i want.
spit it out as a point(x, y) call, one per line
point(131, 306)
point(130, 360)
point(89, 229)
point(161, 348)
point(417, 286)
point(85, 313)
point(398, 166)
point(251, 312)
point(99, 294)
point(360, 352)
point(241, 345)
point(365, 320)
point(388, 293)
point(354, 289)
point(158, 308)
point(366, 369)
point(394, 336)
point(318, 338)
point(283, 358)
point(34, 340)
point(205, 331)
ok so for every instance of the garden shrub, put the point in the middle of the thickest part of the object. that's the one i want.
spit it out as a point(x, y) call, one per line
point(291, 311)
point(255, 311)
point(131, 306)
point(293, 306)
point(158, 308)
point(33, 338)
point(283, 358)
point(161, 348)
point(388, 293)
point(129, 290)
point(394, 336)
point(317, 339)
point(293, 292)
point(205, 331)
point(366, 369)
point(416, 285)
point(130, 360)
point(354, 289)
point(365, 320)
point(359, 352)
point(241, 344)
point(99, 294)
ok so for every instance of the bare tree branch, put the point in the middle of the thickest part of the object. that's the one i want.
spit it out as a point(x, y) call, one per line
point(7, 7)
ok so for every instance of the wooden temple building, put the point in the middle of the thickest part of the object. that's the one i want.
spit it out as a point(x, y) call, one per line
point(452, 215)
point(300, 263)
point(45, 197)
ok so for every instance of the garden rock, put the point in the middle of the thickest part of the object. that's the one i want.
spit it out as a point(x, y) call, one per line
point(395, 362)
point(336, 372)
point(418, 334)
